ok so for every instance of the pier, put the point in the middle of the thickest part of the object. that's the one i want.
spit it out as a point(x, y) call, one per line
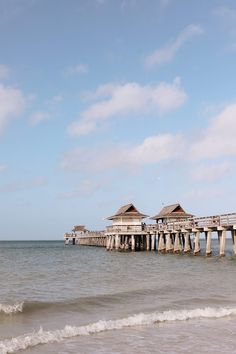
point(175, 231)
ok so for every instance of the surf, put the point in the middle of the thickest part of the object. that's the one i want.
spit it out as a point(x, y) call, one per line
point(43, 337)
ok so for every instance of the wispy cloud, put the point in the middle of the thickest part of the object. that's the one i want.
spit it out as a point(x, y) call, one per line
point(17, 186)
point(211, 172)
point(78, 69)
point(4, 72)
point(166, 54)
point(219, 138)
point(3, 168)
point(227, 17)
point(152, 150)
point(85, 189)
point(12, 105)
point(39, 117)
point(201, 193)
point(129, 98)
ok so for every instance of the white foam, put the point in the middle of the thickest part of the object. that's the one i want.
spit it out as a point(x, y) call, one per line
point(43, 337)
point(11, 309)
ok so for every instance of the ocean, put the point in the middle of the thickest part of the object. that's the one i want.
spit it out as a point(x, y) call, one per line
point(77, 299)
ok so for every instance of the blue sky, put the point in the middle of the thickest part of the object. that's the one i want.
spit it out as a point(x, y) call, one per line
point(106, 102)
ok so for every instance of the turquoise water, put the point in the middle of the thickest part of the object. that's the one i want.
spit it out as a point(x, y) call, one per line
point(76, 299)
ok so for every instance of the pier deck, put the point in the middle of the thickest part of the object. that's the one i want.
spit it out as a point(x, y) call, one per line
point(176, 237)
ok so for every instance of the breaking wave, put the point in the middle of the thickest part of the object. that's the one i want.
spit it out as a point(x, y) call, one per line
point(42, 337)
point(11, 309)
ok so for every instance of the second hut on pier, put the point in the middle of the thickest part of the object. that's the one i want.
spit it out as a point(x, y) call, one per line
point(172, 213)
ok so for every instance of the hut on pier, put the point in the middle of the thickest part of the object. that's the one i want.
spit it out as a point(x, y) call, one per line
point(127, 216)
point(127, 230)
point(172, 213)
point(79, 229)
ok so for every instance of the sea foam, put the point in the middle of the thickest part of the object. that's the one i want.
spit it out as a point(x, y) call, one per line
point(42, 337)
point(11, 309)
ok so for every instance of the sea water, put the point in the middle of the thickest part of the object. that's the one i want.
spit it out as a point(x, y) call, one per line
point(77, 299)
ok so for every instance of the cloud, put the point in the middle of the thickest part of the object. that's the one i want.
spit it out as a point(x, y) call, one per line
point(165, 3)
point(129, 98)
point(12, 105)
point(227, 14)
point(152, 150)
point(166, 54)
point(201, 193)
point(4, 72)
point(3, 168)
point(211, 172)
point(39, 117)
point(17, 186)
point(228, 19)
point(85, 189)
point(78, 69)
point(218, 140)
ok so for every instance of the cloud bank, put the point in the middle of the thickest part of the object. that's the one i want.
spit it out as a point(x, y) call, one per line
point(130, 98)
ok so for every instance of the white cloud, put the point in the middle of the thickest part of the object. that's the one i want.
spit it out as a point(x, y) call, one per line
point(201, 193)
point(3, 168)
point(54, 100)
point(219, 138)
point(17, 186)
point(166, 54)
point(78, 69)
point(128, 98)
point(152, 150)
point(12, 105)
point(39, 117)
point(227, 14)
point(228, 19)
point(4, 71)
point(165, 3)
point(85, 189)
point(211, 172)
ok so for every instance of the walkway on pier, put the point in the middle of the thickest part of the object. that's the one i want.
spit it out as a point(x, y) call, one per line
point(171, 237)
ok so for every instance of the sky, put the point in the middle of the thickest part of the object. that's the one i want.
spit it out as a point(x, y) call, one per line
point(107, 102)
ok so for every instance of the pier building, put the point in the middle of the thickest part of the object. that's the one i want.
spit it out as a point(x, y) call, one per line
point(175, 231)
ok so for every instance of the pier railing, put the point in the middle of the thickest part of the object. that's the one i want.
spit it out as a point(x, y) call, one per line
point(125, 228)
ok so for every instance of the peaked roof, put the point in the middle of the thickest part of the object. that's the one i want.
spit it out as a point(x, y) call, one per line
point(78, 228)
point(128, 210)
point(172, 211)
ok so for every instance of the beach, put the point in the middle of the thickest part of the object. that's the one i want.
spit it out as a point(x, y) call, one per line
point(78, 299)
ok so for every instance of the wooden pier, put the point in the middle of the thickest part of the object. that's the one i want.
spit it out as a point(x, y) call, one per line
point(175, 231)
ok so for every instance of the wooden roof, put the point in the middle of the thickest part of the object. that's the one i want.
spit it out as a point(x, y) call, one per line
point(172, 211)
point(78, 228)
point(128, 210)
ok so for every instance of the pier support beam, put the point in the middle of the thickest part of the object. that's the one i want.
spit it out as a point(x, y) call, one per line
point(117, 242)
point(208, 242)
point(148, 242)
point(187, 247)
point(132, 243)
point(108, 242)
point(196, 243)
point(177, 244)
point(169, 245)
point(161, 245)
point(156, 241)
point(233, 233)
point(222, 238)
point(153, 238)
point(112, 243)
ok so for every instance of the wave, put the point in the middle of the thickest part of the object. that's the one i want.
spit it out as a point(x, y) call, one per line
point(79, 304)
point(8, 309)
point(43, 337)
